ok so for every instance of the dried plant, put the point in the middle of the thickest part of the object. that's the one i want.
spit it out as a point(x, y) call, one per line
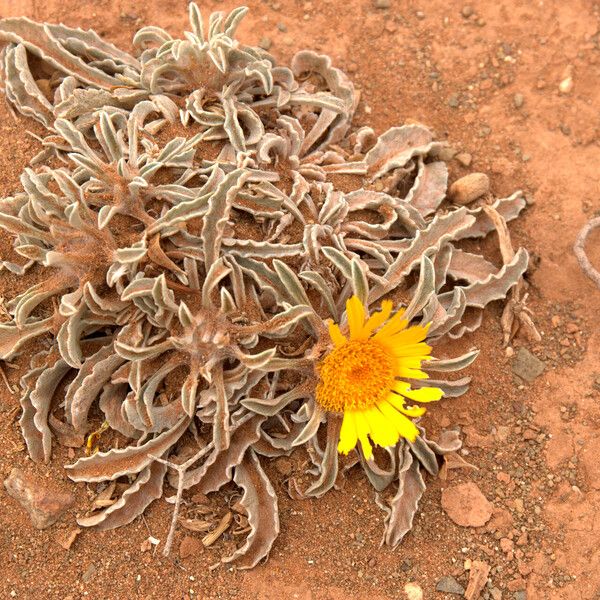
point(207, 212)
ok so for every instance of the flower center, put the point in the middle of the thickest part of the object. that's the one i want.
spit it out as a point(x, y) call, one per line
point(355, 376)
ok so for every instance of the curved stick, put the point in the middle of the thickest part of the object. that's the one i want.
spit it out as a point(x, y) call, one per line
point(579, 250)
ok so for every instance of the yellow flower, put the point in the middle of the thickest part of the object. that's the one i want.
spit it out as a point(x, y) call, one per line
point(360, 377)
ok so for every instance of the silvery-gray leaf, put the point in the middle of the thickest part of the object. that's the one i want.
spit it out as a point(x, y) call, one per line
point(107, 466)
point(429, 188)
point(217, 469)
point(441, 229)
point(397, 146)
point(260, 501)
point(403, 507)
point(147, 487)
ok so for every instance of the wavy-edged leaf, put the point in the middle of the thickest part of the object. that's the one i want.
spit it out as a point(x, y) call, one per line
point(41, 400)
point(442, 229)
point(496, 286)
point(216, 470)
point(397, 146)
point(260, 501)
point(106, 466)
point(451, 364)
point(147, 487)
point(429, 188)
point(403, 507)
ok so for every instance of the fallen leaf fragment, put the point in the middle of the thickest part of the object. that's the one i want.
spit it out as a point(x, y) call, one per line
point(477, 579)
point(196, 524)
point(210, 538)
point(453, 460)
point(104, 498)
point(66, 539)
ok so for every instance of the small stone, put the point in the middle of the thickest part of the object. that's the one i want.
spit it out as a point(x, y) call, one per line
point(516, 585)
point(420, 15)
point(265, 43)
point(520, 595)
point(390, 26)
point(466, 505)
point(413, 591)
point(282, 27)
point(453, 101)
point(468, 188)
point(449, 585)
point(527, 366)
point(447, 153)
point(45, 506)
point(464, 158)
point(495, 593)
point(89, 573)
point(66, 539)
point(566, 84)
point(506, 545)
point(189, 546)
point(518, 100)
point(382, 3)
point(467, 11)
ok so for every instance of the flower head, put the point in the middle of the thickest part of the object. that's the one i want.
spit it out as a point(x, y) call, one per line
point(361, 377)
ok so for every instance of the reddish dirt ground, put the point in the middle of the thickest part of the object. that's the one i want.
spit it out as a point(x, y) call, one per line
point(536, 446)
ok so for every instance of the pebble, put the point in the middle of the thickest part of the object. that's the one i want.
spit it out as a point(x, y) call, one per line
point(44, 506)
point(518, 100)
point(382, 3)
point(449, 585)
point(464, 158)
point(468, 188)
point(265, 43)
point(281, 27)
point(495, 593)
point(189, 546)
point(420, 15)
point(413, 591)
point(520, 595)
point(527, 366)
point(566, 85)
point(466, 505)
point(453, 101)
point(467, 11)
point(89, 573)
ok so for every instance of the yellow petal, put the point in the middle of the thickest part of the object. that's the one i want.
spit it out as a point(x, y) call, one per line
point(424, 394)
point(408, 337)
point(362, 429)
point(393, 326)
point(337, 337)
point(381, 433)
point(355, 311)
point(421, 350)
point(379, 318)
point(410, 411)
point(410, 373)
point(348, 433)
point(405, 427)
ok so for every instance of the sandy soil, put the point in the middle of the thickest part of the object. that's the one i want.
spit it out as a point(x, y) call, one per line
point(536, 446)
